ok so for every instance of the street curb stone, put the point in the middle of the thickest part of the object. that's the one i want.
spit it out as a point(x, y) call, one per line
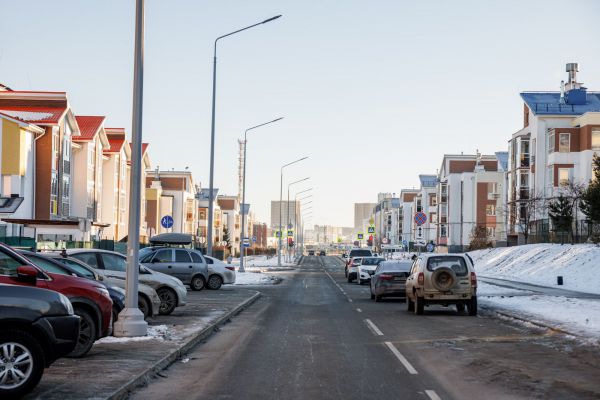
point(539, 324)
point(124, 391)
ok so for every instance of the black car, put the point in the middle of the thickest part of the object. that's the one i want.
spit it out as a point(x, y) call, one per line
point(37, 326)
point(322, 253)
point(311, 252)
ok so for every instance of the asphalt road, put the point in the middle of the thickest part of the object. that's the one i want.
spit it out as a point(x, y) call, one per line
point(315, 336)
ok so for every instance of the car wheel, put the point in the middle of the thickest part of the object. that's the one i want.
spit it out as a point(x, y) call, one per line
point(214, 282)
point(168, 301)
point(87, 334)
point(410, 305)
point(472, 306)
point(460, 307)
point(197, 283)
point(378, 298)
point(21, 363)
point(350, 279)
point(144, 306)
point(419, 305)
point(359, 281)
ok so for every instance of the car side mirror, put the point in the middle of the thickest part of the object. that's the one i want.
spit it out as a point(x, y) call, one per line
point(27, 273)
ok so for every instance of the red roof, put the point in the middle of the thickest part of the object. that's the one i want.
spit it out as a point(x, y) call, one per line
point(115, 145)
point(88, 126)
point(35, 115)
point(144, 148)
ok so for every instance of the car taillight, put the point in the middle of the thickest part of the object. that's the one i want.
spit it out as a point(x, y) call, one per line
point(421, 279)
point(230, 268)
point(386, 277)
point(473, 279)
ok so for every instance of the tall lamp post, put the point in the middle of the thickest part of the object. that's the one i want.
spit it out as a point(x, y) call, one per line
point(212, 131)
point(297, 228)
point(243, 207)
point(280, 208)
point(288, 210)
point(131, 320)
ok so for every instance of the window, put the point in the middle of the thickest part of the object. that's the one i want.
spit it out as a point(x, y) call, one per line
point(434, 218)
point(198, 260)
point(163, 256)
point(48, 265)
point(564, 175)
point(595, 139)
point(551, 142)
point(524, 179)
point(77, 268)
point(490, 231)
point(87, 258)
point(532, 151)
point(432, 201)
point(524, 156)
point(564, 142)
point(490, 210)
point(182, 256)
point(419, 208)
point(114, 263)
point(443, 231)
point(8, 265)
point(455, 263)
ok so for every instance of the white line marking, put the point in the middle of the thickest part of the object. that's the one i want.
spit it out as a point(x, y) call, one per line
point(402, 359)
point(359, 310)
point(432, 395)
point(350, 300)
point(373, 327)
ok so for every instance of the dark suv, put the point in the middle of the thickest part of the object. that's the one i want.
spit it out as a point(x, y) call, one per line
point(37, 326)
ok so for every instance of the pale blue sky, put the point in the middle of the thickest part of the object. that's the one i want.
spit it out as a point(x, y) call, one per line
point(375, 92)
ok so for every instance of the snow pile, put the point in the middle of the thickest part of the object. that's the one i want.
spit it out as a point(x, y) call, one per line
point(540, 264)
point(577, 316)
point(262, 263)
point(159, 332)
point(255, 278)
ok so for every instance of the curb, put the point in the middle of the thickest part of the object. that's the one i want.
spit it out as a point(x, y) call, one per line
point(124, 391)
point(532, 322)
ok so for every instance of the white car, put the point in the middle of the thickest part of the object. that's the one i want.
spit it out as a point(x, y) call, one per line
point(219, 273)
point(367, 267)
point(352, 270)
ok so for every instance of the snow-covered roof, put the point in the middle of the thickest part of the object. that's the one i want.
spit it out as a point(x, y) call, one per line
point(549, 103)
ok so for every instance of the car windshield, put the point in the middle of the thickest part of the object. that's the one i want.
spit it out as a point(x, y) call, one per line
point(360, 253)
point(76, 267)
point(455, 263)
point(371, 261)
point(397, 267)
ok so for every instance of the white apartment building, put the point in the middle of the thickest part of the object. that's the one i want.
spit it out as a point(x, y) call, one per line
point(425, 201)
point(407, 198)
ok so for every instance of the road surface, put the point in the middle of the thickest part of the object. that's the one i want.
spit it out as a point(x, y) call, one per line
point(315, 336)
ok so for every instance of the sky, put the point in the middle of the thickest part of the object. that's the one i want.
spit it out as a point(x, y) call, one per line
point(373, 92)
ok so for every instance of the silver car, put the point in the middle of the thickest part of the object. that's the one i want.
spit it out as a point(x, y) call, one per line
point(389, 279)
point(187, 265)
point(219, 273)
point(171, 290)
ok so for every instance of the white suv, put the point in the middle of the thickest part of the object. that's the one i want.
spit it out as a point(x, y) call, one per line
point(442, 279)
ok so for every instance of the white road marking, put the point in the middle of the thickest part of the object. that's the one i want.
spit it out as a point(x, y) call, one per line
point(359, 310)
point(401, 358)
point(373, 327)
point(350, 300)
point(432, 395)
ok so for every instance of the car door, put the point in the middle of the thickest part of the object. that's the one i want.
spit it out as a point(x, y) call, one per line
point(114, 265)
point(163, 261)
point(8, 272)
point(183, 266)
point(206, 263)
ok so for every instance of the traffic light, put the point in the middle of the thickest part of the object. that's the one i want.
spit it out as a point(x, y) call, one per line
point(370, 240)
point(290, 242)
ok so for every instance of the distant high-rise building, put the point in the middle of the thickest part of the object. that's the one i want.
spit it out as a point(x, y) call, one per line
point(294, 212)
point(362, 211)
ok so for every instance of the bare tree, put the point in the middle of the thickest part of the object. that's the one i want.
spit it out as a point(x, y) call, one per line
point(524, 211)
point(574, 192)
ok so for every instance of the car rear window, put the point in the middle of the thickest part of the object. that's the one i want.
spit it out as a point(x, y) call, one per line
point(182, 256)
point(360, 253)
point(455, 263)
point(198, 260)
point(397, 267)
point(371, 261)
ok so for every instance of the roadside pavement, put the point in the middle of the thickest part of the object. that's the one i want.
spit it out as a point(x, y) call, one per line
point(114, 366)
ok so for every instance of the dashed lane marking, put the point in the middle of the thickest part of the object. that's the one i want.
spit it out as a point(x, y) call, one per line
point(359, 310)
point(432, 395)
point(373, 327)
point(349, 300)
point(401, 358)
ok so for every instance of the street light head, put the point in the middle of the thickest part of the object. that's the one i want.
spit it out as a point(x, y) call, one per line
point(271, 19)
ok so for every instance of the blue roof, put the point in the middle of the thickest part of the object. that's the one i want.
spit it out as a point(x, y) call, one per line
point(548, 103)
point(502, 157)
point(428, 180)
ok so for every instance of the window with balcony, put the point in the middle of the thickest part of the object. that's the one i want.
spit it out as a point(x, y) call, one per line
point(564, 142)
point(443, 231)
point(490, 210)
point(443, 193)
point(490, 231)
point(596, 139)
point(524, 154)
point(432, 201)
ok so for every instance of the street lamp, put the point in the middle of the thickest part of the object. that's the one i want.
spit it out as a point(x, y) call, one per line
point(131, 320)
point(243, 207)
point(297, 228)
point(280, 210)
point(212, 131)
point(288, 210)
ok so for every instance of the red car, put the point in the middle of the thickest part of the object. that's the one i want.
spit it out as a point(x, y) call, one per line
point(91, 300)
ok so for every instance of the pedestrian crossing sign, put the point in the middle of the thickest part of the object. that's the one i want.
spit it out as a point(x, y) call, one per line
point(290, 233)
point(277, 234)
point(360, 236)
point(371, 229)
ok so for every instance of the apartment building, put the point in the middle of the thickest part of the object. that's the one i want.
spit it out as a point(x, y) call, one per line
point(362, 212)
point(387, 215)
point(115, 182)
point(231, 219)
point(425, 201)
point(469, 196)
point(407, 199)
point(560, 134)
point(203, 205)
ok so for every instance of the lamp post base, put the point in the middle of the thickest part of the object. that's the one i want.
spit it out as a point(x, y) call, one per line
point(131, 323)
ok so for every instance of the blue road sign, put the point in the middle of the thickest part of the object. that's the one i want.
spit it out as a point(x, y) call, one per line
point(166, 221)
point(430, 247)
point(371, 229)
point(254, 239)
point(405, 243)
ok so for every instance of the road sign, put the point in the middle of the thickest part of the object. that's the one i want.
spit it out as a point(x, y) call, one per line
point(360, 236)
point(246, 242)
point(290, 225)
point(430, 247)
point(384, 240)
point(405, 243)
point(420, 218)
point(277, 234)
point(371, 229)
point(290, 233)
point(166, 221)
point(420, 243)
point(254, 239)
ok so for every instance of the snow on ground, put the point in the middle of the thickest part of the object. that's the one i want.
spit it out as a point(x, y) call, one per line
point(159, 332)
point(540, 264)
point(262, 263)
point(576, 316)
point(255, 278)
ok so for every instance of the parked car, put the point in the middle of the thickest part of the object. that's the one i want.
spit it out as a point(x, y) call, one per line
point(352, 269)
point(357, 253)
point(148, 300)
point(171, 291)
point(389, 279)
point(117, 295)
point(442, 279)
point(37, 327)
point(366, 268)
point(219, 273)
point(187, 265)
point(311, 252)
point(91, 300)
point(322, 253)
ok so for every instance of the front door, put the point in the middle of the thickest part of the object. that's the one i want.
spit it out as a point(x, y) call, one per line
point(163, 262)
point(183, 266)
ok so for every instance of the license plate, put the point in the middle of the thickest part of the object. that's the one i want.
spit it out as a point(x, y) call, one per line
point(398, 278)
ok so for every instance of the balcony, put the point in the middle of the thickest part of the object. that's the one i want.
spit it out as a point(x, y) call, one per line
point(524, 161)
point(524, 193)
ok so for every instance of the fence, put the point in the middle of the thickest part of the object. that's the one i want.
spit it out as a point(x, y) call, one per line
point(581, 232)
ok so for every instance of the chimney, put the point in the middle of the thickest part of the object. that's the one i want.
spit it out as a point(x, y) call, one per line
point(575, 93)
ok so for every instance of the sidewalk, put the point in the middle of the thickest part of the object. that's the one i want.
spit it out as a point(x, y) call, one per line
point(116, 365)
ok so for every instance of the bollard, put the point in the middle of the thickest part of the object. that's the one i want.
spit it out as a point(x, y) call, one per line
point(559, 280)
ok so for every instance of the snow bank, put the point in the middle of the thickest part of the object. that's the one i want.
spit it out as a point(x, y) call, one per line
point(540, 264)
point(159, 332)
point(255, 278)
